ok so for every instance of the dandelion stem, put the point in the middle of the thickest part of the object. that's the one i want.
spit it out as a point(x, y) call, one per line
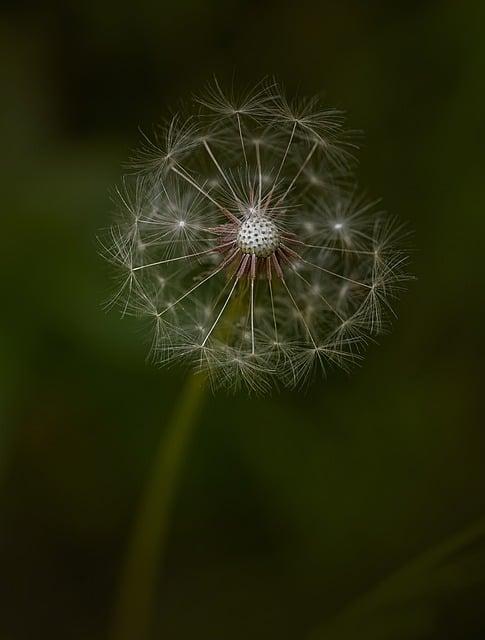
point(134, 607)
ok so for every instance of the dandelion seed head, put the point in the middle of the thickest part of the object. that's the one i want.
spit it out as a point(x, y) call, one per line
point(258, 235)
point(244, 240)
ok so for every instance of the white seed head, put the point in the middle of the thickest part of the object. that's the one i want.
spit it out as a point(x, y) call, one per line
point(259, 236)
point(246, 244)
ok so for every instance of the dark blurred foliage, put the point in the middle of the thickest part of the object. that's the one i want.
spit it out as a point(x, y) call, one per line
point(293, 508)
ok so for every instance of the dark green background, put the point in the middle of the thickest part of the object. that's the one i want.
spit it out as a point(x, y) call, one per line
point(293, 505)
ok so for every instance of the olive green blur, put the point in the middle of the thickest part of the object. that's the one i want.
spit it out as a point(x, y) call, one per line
point(351, 510)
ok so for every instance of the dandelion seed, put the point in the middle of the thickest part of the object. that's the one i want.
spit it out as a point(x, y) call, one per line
point(245, 241)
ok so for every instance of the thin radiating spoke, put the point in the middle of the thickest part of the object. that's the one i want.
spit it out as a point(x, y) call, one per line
point(184, 257)
point(305, 162)
point(260, 174)
point(242, 140)
point(329, 248)
point(219, 168)
point(192, 182)
point(300, 314)
point(252, 316)
point(236, 280)
point(282, 163)
point(285, 155)
point(322, 297)
point(224, 264)
point(332, 273)
point(272, 310)
point(253, 278)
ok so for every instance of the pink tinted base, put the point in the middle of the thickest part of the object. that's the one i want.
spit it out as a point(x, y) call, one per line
point(248, 265)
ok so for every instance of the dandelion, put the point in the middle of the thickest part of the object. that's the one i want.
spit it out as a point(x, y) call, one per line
point(244, 240)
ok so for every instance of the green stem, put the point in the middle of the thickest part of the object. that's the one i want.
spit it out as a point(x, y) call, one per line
point(134, 606)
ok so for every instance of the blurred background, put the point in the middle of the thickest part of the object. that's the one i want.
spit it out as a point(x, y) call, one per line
point(354, 510)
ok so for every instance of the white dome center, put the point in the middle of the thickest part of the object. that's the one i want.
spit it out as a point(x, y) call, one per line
point(258, 235)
